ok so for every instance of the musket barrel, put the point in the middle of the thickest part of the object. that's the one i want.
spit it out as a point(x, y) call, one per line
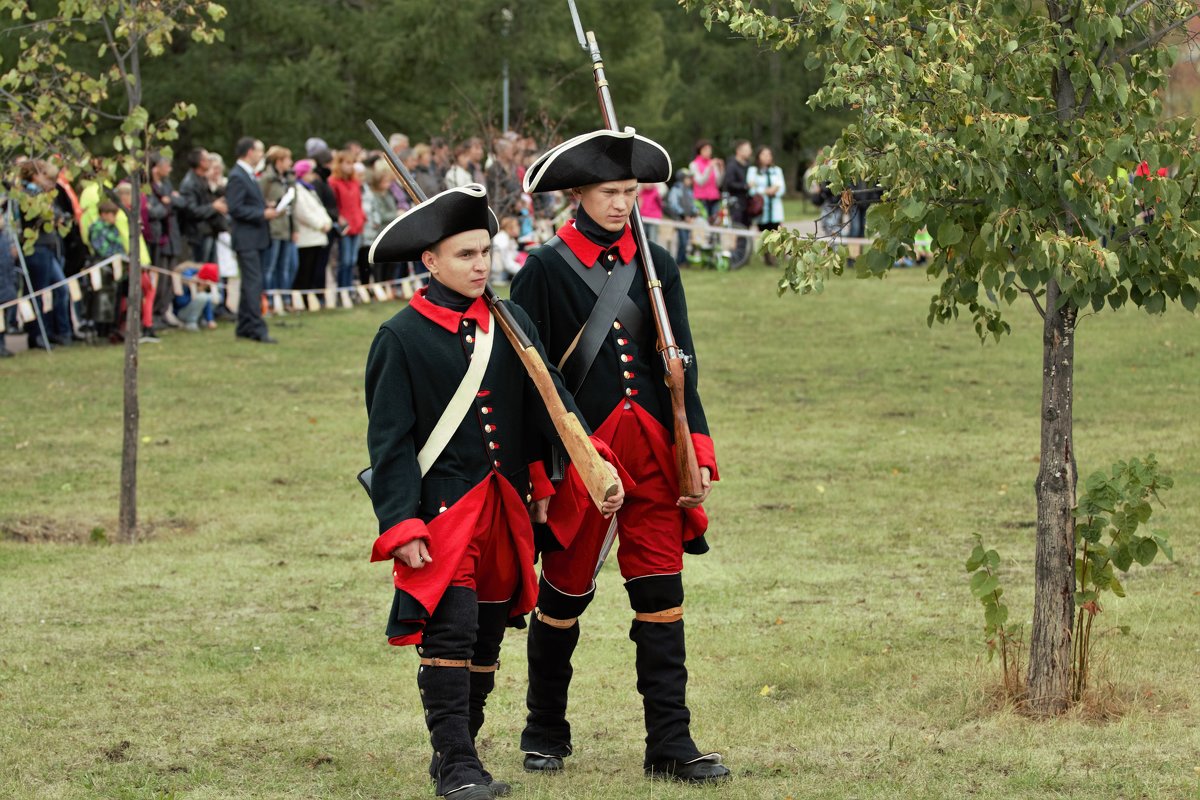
point(672, 356)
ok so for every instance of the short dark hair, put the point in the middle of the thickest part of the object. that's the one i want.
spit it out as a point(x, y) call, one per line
point(196, 156)
point(107, 207)
point(244, 145)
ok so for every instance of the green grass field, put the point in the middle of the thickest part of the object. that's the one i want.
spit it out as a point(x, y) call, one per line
point(238, 651)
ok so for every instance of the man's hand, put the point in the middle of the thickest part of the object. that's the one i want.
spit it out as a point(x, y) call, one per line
point(705, 488)
point(537, 509)
point(414, 554)
point(270, 214)
point(220, 205)
point(614, 503)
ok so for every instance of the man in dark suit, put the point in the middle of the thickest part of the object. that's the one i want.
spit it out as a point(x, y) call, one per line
point(251, 237)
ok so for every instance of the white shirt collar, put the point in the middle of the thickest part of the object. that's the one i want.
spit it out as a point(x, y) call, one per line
point(249, 169)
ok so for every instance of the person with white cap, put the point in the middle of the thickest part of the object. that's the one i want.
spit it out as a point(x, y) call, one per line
point(452, 429)
point(587, 293)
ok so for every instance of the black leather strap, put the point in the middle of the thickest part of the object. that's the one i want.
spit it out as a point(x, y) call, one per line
point(612, 303)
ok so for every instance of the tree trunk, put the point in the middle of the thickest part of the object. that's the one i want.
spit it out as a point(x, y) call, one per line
point(133, 331)
point(127, 522)
point(1054, 577)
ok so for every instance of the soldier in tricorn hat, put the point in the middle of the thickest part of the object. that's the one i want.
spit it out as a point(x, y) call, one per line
point(586, 292)
point(450, 412)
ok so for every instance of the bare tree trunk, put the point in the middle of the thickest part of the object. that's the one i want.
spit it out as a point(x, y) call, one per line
point(133, 331)
point(1049, 676)
point(127, 522)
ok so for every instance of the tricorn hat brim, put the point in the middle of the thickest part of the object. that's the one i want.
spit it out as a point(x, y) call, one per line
point(598, 157)
point(447, 213)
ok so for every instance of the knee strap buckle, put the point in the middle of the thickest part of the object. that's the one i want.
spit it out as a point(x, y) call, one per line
point(561, 624)
point(484, 667)
point(445, 662)
point(666, 615)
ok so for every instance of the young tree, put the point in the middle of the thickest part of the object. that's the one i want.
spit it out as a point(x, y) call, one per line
point(1012, 131)
point(77, 75)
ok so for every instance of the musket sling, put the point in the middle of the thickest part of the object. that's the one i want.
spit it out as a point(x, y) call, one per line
point(612, 303)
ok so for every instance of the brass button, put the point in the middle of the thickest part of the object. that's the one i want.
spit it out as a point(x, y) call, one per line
point(629, 392)
point(617, 326)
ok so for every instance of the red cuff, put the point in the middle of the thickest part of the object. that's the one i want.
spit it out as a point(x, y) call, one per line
point(539, 481)
point(706, 456)
point(398, 536)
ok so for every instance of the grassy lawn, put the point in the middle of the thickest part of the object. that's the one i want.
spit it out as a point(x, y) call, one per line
point(238, 651)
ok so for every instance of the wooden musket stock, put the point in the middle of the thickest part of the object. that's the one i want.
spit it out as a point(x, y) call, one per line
point(594, 471)
point(674, 359)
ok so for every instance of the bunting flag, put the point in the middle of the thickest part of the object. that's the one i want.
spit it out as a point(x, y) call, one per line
point(300, 298)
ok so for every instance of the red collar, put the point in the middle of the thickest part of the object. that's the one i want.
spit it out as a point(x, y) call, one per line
point(448, 318)
point(589, 252)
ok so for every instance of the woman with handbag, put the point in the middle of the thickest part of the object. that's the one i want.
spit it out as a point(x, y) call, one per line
point(767, 188)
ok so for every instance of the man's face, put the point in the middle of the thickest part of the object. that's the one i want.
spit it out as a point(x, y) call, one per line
point(610, 203)
point(204, 165)
point(462, 262)
point(255, 155)
point(743, 152)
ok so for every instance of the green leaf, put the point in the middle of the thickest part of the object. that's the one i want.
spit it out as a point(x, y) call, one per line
point(1145, 551)
point(1165, 546)
point(1116, 587)
point(949, 233)
point(913, 209)
point(996, 615)
point(1122, 558)
point(976, 558)
point(983, 584)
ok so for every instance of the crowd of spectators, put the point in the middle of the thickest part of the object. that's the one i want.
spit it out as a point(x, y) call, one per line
point(331, 204)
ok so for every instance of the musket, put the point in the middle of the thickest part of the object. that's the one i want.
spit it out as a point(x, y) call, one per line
point(675, 361)
point(593, 470)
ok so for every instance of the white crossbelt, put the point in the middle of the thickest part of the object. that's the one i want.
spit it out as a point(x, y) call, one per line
point(460, 403)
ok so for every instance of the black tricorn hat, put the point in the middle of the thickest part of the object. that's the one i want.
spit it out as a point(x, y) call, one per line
point(597, 157)
point(423, 226)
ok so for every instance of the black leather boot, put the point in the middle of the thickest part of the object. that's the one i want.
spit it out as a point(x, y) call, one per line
point(450, 637)
point(492, 620)
point(662, 683)
point(546, 739)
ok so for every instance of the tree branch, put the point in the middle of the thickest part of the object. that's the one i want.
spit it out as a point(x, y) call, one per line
point(1132, 7)
point(1155, 38)
point(1041, 311)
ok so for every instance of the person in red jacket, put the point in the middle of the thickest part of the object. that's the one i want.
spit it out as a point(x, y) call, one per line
point(348, 191)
